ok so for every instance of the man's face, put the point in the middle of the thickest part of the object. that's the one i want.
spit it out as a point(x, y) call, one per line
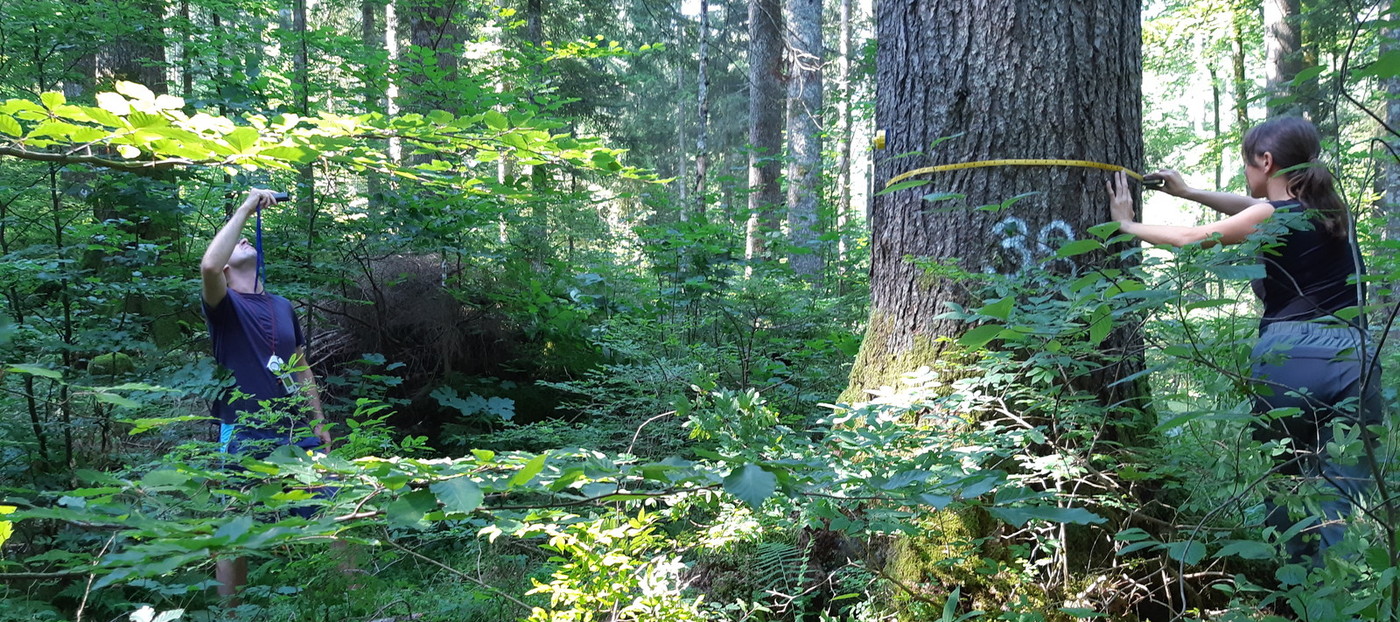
point(244, 254)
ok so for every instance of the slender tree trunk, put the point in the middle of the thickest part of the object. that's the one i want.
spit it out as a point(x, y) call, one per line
point(1241, 78)
point(391, 87)
point(766, 87)
point(702, 128)
point(505, 165)
point(843, 167)
point(1215, 126)
point(537, 238)
point(804, 134)
point(682, 159)
point(306, 174)
point(66, 327)
point(372, 38)
point(216, 75)
point(186, 51)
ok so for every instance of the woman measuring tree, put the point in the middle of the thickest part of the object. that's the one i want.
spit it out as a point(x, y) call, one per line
point(1313, 366)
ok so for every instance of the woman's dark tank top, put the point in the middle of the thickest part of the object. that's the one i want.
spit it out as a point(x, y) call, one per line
point(1309, 274)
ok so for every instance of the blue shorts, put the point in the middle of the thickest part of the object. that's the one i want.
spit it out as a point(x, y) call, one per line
point(238, 440)
point(242, 440)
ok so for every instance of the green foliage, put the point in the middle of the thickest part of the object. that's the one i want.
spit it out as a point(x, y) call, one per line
point(614, 566)
point(153, 132)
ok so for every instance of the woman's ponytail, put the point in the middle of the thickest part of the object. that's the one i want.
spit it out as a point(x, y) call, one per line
point(1315, 186)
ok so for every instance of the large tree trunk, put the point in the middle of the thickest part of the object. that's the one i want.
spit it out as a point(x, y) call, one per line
point(534, 22)
point(765, 122)
point(804, 133)
point(996, 79)
point(1009, 79)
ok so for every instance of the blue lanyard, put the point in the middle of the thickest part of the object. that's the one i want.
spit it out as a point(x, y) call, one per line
point(258, 245)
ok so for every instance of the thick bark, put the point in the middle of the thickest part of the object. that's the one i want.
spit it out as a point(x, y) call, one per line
point(804, 109)
point(1009, 79)
point(79, 85)
point(534, 22)
point(766, 85)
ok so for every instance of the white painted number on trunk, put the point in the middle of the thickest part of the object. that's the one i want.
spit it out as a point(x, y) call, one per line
point(1021, 251)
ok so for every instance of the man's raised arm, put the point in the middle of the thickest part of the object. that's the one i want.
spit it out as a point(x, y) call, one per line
point(211, 268)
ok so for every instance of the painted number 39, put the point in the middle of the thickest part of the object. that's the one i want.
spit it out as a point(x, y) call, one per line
point(1022, 251)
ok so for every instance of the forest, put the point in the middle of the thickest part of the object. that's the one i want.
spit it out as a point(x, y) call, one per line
point(678, 310)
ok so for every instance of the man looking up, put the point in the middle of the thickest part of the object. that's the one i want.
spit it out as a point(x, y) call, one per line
point(256, 336)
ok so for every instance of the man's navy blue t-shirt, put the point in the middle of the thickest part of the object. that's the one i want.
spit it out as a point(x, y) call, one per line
point(248, 330)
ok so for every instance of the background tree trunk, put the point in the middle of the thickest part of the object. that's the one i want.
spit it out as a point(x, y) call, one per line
point(431, 25)
point(1237, 62)
point(765, 123)
point(147, 202)
point(306, 175)
point(537, 230)
point(1390, 161)
point(1283, 55)
point(374, 79)
point(847, 133)
point(804, 111)
point(186, 51)
point(702, 118)
point(139, 58)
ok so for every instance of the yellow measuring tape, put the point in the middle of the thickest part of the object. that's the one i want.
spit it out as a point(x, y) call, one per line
point(1017, 162)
